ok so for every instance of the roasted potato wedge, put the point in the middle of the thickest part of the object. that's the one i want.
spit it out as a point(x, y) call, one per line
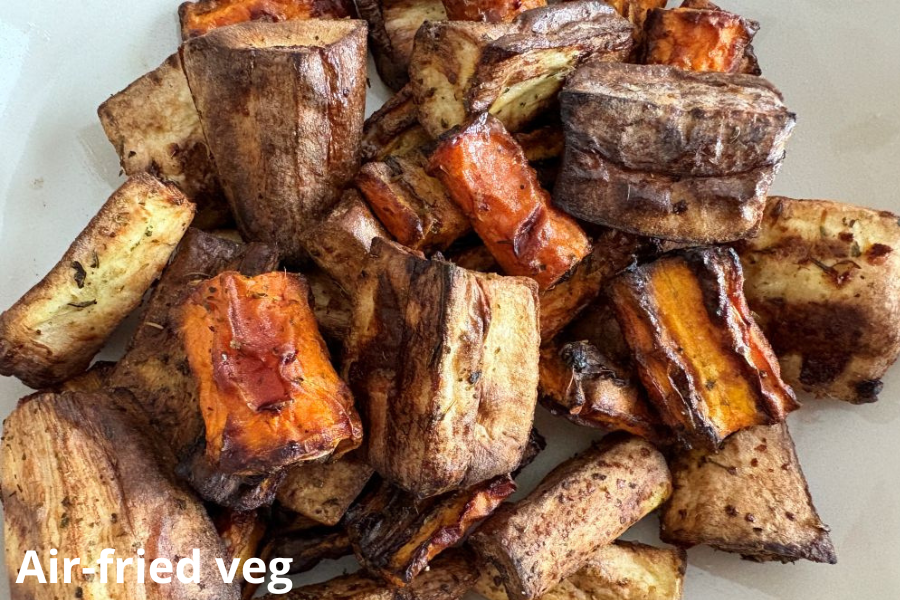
point(393, 129)
point(514, 70)
point(52, 332)
point(396, 537)
point(489, 178)
point(79, 474)
point(201, 17)
point(490, 11)
point(750, 497)
point(821, 279)
point(95, 379)
point(703, 360)
point(268, 392)
point(425, 342)
point(324, 491)
point(584, 503)
point(261, 87)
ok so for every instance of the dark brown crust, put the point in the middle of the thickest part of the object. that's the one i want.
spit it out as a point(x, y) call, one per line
point(489, 11)
point(201, 17)
point(324, 491)
point(393, 129)
point(309, 547)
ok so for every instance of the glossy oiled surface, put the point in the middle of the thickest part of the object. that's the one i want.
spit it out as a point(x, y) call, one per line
point(838, 64)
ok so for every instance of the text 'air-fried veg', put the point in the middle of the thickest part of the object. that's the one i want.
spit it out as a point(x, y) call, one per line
point(750, 497)
point(324, 491)
point(584, 503)
point(198, 18)
point(55, 329)
point(242, 533)
point(488, 177)
point(79, 475)
point(282, 108)
point(395, 537)
point(444, 366)
point(269, 394)
point(667, 153)
point(703, 360)
point(514, 70)
point(822, 279)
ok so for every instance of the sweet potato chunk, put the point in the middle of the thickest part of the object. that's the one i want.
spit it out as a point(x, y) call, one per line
point(489, 178)
point(750, 497)
point(636, 11)
point(198, 18)
point(490, 11)
point(269, 394)
point(393, 129)
point(702, 358)
point(324, 491)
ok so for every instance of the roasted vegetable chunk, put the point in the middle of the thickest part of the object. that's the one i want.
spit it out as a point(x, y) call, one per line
point(636, 11)
point(449, 354)
point(242, 533)
point(307, 548)
point(702, 358)
point(584, 503)
point(490, 11)
point(95, 379)
point(79, 474)
point(324, 491)
point(488, 176)
point(55, 329)
point(269, 394)
point(198, 18)
point(514, 70)
point(396, 537)
point(332, 305)
point(393, 129)
point(822, 279)
point(750, 497)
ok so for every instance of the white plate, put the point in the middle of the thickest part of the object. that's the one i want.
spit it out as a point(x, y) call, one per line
point(838, 64)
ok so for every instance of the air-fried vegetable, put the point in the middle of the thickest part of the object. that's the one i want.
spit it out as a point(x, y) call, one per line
point(324, 491)
point(619, 571)
point(331, 304)
point(702, 358)
point(459, 69)
point(52, 332)
point(750, 497)
point(488, 176)
point(198, 18)
point(393, 129)
point(414, 206)
point(667, 153)
point(282, 108)
point(584, 503)
point(449, 354)
point(822, 279)
point(490, 11)
point(309, 547)
point(242, 533)
point(395, 537)
point(268, 392)
point(78, 475)
point(94, 379)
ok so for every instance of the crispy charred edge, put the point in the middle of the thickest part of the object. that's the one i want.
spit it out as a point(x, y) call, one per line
point(307, 548)
point(393, 129)
point(201, 17)
point(384, 524)
point(490, 11)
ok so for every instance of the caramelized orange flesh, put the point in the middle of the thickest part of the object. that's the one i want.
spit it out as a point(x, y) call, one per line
point(198, 18)
point(697, 40)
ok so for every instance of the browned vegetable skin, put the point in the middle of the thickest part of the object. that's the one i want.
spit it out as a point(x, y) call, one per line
point(52, 332)
point(331, 304)
point(395, 537)
point(393, 129)
point(514, 70)
point(750, 497)
point(584, 503)
point(431, 339)
point(237, 492)
point(309, 547)
point(242, 533)
point(691, 161)
point(704, 362)
point(490, 11)
point(201, 17)
point(260, 87)
point(488, 177)
point(822, 279)
point(94, 379)
point(636, 11)
point(619, 571)
point(324, 491)
point(79, 474)
point(154, 127)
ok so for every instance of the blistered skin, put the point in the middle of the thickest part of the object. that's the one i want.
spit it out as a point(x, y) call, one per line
point(269, 394)
point(198, 18)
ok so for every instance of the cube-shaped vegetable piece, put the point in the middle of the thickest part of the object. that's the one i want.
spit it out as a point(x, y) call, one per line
point(324, 491)
point(393, 129)
point(198, 18)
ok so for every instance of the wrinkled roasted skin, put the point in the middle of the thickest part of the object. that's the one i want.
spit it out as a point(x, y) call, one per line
point(489, 178)
point(307, 548)
point(52, 332)
point(396, 537)
point(583, 504)
point(79, 474)
point(705, 363)
point(750, 497)
point(268, 392)
point(324, 491)
point(199, 18)
point(490, 11)
point(821, 277)
point(393, 130)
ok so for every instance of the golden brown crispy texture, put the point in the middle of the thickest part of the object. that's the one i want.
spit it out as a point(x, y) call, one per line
point(542, 143)
point(489, 178)
point(822, 279)
point(393, 129)
point(52, 332)
point(750, 497)
point(154, 127)
point(242, 532)
point(749, 64)
point(307, 548)
point(268, 392)
point(261, 87)
point(324, 491)
point(489, 11)
point(474, 258)
point(201, 17)
point(78, 475)
point(514, 70)
point(619, 571)
point(584, 503)
point(424, 356)
point(702, 358)
point(636, 12)
point(396, 537)
point(415, 207)
point(94, 379)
